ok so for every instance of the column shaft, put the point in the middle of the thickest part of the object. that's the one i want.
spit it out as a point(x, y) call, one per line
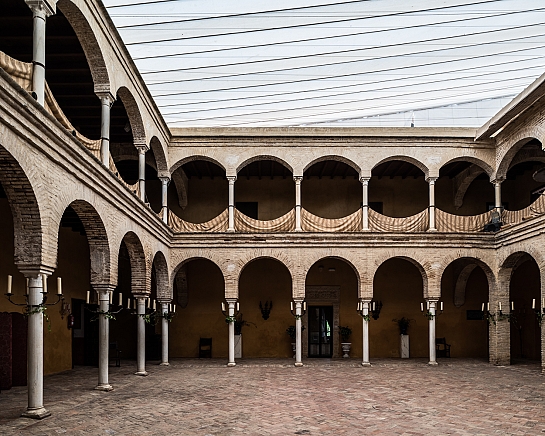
point(365, 203)
point(231, 313)
point(40, 11)
point(164, 335)
point(231, 224)
point(298, 333)
point(104, 341)
point(431, 324)
point(164, 198)
point(298, 181)
point(431, 181)
point(365, 361)
point(141, 337)
point(497, 193)
point(142, 172)
point(106, 103)
point(35, 351)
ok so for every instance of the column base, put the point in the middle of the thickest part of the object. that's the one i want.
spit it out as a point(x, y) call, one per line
point(104, 388)
point(298, 230)
point(432, 363)
point(40, 413)
point(231, 364)
point(366, 364)
point(432, 230)
point(164, 364)
point(141, 373)
point(298, 364)
point(230, 230)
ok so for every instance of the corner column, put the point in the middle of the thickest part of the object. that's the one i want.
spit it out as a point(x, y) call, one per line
point(40, 11)
point(231, 312)
point(365, 203)
point(298, 180)
point(164, 334)
point(106, 101)
point(103, 338)
point(141, 335)
point(231, 225)
point(431, 330)
point(365, 310)
point(298, 333)
point(142, 170)
point(431, 181)
point(164, 198)
point(35, 349)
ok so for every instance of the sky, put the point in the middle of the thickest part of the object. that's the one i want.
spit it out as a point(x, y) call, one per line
point(255, 63)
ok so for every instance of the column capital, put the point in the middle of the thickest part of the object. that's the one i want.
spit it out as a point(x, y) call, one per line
point(366, 300)
point(297, 179)
point(140, 296)
point(41, 8)
point(164, 301)
point(164, 179)
point(365, 180)
point(431, 180)
point(142, 148)
point(231, 179)
point(104, 287)
point(497, 180)
point(105, 97)
point(298, 300)
point(231, 300)
point(34, 272)
point(432, 299)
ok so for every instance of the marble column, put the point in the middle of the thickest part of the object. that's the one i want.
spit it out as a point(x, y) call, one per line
point(35, 349)
point(298, 333)
point(365, 203)
point(431, 330)
point(231, 225)
point(103, 338)
point(40, 11)
point(142, 171)
point(141, 336)
point(297, 180)
point(164, 198)
point(497, 193)
point(231, 312)
point(431, 182)
point(365, 311)
point(106, 101)
point(164, 334)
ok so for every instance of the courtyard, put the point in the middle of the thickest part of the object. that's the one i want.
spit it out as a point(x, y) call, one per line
point(272, 397)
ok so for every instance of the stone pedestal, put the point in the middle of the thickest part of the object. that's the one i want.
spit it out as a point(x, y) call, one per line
point(238, 346)
point(404, 346)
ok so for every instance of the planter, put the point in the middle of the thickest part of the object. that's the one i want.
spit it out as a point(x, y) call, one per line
point(294, 348)
point(346, 349)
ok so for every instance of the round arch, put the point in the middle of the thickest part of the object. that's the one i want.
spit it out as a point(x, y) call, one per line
point(248, 262)
point(190, 259)
point(517, 142)
point(419, 266)
point(263, 157)
point(192, 158)
point(407, 159)
point(475, 161)
point(140, 279)
point(160, 157)
point(134, 114)
point(160, 266)
point(333, 157)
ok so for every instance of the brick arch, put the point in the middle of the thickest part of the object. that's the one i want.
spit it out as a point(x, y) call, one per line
point(408, 159)
point(263, 157)
point(97, 238)
point(334, 157)
point(135, 116)
point(425, 268)
point(194, 157)
point(513, 144)
point(512, 262)
point(27, 218)
point(160, 266)
point(337, 257)
point(475, 161)
point(140, 279)
point(161, 164)
point(190, 256)
point(89, 43)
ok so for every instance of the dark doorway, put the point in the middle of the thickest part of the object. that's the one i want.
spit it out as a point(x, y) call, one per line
point(320, 331)
point(84, 335)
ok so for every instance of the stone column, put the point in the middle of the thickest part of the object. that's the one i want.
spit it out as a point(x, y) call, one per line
point(35, 350)
point(103, 338)
point(231, 312)
point(231, 180)
point(365, 361)
point(164, 334)
point(298, 333)
point(106, 101)
point(298, 180)
point(164, 198)
point(142, 171)
point(431, 323)
point(497, 193)
point(141, 336)
point(40, 11)
point(431, 181)
point(365, 203)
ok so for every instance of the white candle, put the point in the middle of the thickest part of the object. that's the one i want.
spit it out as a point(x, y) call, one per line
point(120, 300)
point(488, 307)
point(149, 302)
point(499, 304)
point(512, 305)
point(44, 283)
point(421, 307)
point(427, 305)
point(238, 306)
point(134, 305)
point(128, 302)
point(304, 306)
point(482, 308)
point(59, 286)
point(10, 278)
point(534, 303)
point(88, 296)
point(374, 306)
point(111, 297)
point(173, 307)
point(154, 306)
point(26, 292)
point(223, 307)
point(441, 306)
point(291, 305)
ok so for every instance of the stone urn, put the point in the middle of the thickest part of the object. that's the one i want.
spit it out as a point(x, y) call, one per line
point(346, 349)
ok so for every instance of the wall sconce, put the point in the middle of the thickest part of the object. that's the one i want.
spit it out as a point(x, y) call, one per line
point(374, 308)
point(265, 310)
point(428, 314)
point(540, 313)
point(31, 309)
point(65, 309)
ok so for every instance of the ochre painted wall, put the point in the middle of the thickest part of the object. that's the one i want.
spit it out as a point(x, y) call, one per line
point(275, 197)
point(331, 198)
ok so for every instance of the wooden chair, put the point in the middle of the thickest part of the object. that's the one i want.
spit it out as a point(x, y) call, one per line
point(442, 349)
point(205, 347)
point(115, 354)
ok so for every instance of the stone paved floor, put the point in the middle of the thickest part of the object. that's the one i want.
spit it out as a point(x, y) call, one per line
point(271, 397)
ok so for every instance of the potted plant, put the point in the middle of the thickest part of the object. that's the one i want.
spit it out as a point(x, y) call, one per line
point(292, 334)
point(403, 324)
point(345, 333)
point(241, 322)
